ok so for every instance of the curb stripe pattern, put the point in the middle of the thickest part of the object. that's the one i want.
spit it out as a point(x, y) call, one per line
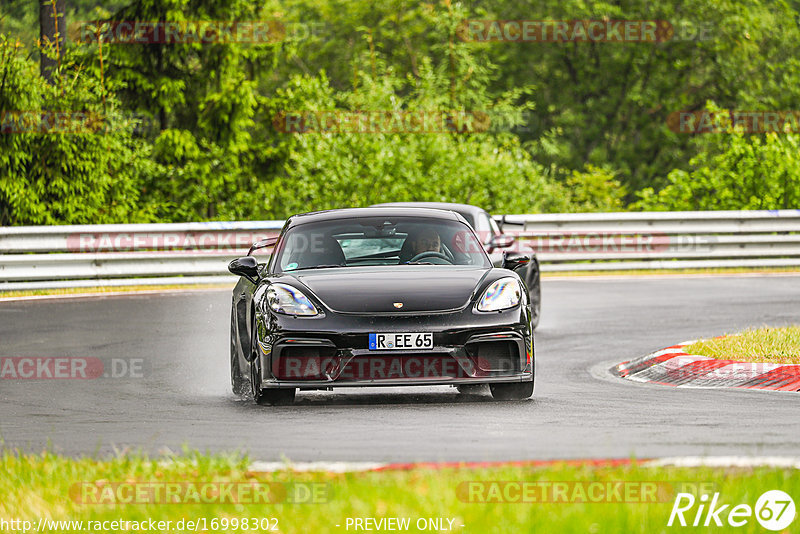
point(672, 366)
point(589, 462)
point(678, 461)
point(355, 467)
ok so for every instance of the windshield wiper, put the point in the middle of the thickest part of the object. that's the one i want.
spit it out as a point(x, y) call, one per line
point(418, 263)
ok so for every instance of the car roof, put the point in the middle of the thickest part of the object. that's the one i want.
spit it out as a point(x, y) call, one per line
point(452, 206)
point(355, 213)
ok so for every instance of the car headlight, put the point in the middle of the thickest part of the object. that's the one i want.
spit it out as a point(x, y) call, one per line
point(501, 295)
point(286, 299)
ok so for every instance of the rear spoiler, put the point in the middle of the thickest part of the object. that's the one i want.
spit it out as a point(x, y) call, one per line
point(264, 243)
point(501, 221)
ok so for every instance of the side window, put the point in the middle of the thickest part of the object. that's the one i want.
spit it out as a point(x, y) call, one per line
point(485, 227)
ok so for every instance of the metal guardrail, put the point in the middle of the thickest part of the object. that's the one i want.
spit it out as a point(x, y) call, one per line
point(660, 240)
point(33, 257)
point(105, 255)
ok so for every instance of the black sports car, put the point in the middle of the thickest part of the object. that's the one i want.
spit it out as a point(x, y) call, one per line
point(379, 297)
point(496, 243)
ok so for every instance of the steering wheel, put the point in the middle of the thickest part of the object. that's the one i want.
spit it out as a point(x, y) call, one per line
point(431, 254)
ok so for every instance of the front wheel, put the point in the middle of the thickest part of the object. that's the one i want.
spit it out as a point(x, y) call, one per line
point(534, 283)
point(276, 397)
point(515, 391)
point(471, 389)
point(268, 396)
point(239, 384)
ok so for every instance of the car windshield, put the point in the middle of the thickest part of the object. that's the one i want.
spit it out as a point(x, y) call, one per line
point(378, 241)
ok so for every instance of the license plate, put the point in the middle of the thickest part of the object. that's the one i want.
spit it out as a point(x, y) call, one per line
point(401, 341)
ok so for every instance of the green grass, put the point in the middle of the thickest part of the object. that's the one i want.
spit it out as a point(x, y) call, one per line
point(35, 486)
point(773, 345)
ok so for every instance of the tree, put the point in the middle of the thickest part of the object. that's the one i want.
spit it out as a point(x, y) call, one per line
point(735, 171)
point(67, 155)
point(52, 32)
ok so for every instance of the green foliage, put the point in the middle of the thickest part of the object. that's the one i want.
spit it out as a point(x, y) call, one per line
point(584, 128)
point(606, 104)
point(594, 189)
point(49, 178)
point(328, 170)
point(736, 171)
point(218, 156)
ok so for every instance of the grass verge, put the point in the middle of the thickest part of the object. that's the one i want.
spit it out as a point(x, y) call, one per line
point(772, 345)
point(55, 488)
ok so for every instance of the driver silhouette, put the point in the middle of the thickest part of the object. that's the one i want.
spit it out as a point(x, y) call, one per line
point(418, 241)
point(427, 240)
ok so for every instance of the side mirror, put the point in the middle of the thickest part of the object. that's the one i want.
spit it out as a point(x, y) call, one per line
point(246, 266)
point(512, 260)
point(501, 241)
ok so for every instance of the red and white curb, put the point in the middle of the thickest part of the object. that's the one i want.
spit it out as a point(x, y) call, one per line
point(677, 461)
point(674, 367)
point(352, 467)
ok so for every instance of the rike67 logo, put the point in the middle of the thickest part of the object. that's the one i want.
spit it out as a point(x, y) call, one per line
point(774, 510)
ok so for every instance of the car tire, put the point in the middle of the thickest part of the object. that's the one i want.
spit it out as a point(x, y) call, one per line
point(533, 281)
point(276, 397)
point(268, 396)
point(513, 391)
point(471, 389)
point(239, 384)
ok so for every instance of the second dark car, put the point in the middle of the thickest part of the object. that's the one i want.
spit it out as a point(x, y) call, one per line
point(495, 242)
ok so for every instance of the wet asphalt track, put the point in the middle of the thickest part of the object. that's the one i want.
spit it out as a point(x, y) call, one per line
point(578, 411)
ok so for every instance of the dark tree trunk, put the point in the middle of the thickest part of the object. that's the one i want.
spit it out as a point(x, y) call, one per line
point(53, 28)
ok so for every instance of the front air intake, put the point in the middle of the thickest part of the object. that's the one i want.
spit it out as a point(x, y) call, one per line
point(495, 356)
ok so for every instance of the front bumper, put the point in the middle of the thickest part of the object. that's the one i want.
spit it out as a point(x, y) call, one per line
point(491, 348)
